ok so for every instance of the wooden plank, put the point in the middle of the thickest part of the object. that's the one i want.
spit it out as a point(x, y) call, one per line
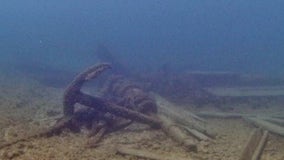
point(220, 115)
point(247, 91)
point(200, 136)
point(168, 107)
point(177, 134)
point(273, 128)
point(277, 121)
point(182, 116)
point(251, 145)
point(259, 149)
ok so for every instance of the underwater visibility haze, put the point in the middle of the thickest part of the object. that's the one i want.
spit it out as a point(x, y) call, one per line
point(150, 79)
point(242, 36)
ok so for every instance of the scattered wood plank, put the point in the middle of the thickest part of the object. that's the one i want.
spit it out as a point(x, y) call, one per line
point(277, 121)
point(199, 126)
point(248, 151)
point(167, 107)
point(255, 145)
point(275, 118)
point(182, 116)
point(263, 91)
point(273, 128)
point(177, 134)
point(200, 136)
point(259, 149)
point(280, 116)
point(146, 154)
point(220, 115)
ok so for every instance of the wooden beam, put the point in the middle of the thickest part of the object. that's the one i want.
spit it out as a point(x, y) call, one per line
point(277, 121)
point(264, 91)
point(198, 135)
point(259, 149)
point(177, 134)
point(182, 116)
point(255, 145)
point(166, 106)
point(220, 115)
point(273, 128)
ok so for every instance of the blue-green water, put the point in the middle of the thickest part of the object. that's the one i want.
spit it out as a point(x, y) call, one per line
point(219, 35)
point(190, 57)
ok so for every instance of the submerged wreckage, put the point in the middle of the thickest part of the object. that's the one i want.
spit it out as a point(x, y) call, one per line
point(124, 102)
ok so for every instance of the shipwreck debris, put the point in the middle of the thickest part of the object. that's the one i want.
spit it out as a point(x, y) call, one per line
point(129, 103)
point(255, 145)
point(177, 134)
point(262, 123)
point(267, 124)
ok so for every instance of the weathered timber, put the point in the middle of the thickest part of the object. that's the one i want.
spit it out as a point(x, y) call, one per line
point(220, 115)
point(182, 116)
point(280, 116)
point(195, 133)
point(177, 134)
point(273, 128)
point(167, 107)
point(270, 118)
point(251, 145)
point(263, 91)
point(259, 149)
point(277, 121)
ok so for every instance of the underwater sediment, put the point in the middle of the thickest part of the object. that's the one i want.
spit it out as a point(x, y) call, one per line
point(28, 107)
